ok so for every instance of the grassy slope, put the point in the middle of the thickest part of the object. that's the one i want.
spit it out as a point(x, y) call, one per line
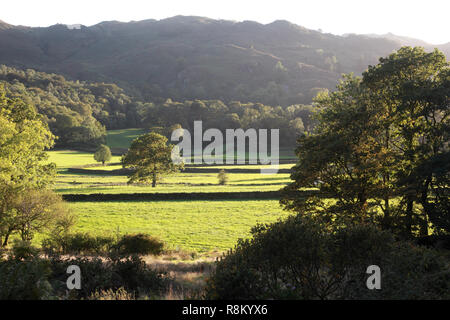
point(121, 139)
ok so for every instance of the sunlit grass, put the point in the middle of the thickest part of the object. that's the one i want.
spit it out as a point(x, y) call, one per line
point(180, 182)
point(121, 139)
point(68, 158)
point(191, 225)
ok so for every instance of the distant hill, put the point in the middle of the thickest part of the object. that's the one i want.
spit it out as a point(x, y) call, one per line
point(194, 57)
point(4, 25)
point(412, 42)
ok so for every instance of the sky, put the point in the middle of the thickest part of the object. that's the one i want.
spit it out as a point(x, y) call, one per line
point(426, 20)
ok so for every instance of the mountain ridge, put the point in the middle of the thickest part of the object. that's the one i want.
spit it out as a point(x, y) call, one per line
point(188, 57)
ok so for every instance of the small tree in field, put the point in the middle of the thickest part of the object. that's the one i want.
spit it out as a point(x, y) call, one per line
point(150, 157)
point(223, 177)
point(39, 210)
point(103, 154)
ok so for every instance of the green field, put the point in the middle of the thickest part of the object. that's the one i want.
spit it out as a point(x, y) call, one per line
point(69, 159)
point(75, 183)
point(190, 225)
point(121, 139)
point(200, 226)
point(114, 166)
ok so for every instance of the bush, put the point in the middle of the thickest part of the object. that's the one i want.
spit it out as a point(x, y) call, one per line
point(25, 280)
point(84, 243)
point(132, 274)
point(223, 177)
point(23, 250)
point(300, 258)
point(78, 243)
point(140, 244)
point(119, 294)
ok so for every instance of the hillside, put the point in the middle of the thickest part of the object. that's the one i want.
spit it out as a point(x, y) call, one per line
point(78, 112)
point(412, 42)
point(192, 57)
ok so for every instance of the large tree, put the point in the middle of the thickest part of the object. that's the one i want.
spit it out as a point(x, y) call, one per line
point(23, 140)
point(150, 158)
point(381, 147)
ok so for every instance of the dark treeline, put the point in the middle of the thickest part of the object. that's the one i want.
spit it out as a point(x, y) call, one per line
point(79, 113)
point(292, 121)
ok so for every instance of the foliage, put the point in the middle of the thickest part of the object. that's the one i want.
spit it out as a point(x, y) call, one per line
point(300, 258)
point(292, 121)
point(41, 279)
point(411, 89)
point(150, 157)
point(23, 139)
point(110, 294)
point(103, 154)
point(223, 177)
point(23, 250)
point(88, 244)
point(139, 244)
point(25, 279)
point(132, 274)
point(78, 243)
point(38, 211)
point(381, 147)
point(78, 112)
point(74, 111)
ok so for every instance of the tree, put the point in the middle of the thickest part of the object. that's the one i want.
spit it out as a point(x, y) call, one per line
point(300, 258)
point(23, 140)
point(103, 154)
point(381, 147)
point(38, 211)
point(150, 157)
point(410, 89)
point(223, 177)
point(336, 159)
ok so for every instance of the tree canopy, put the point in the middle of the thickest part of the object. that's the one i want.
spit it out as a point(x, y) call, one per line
point(381, 147)
point(103, 154)
point(24, 137)
point(150, 157)
point(79, 112)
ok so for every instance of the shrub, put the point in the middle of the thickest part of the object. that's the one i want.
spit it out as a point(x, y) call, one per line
point(119, 294)
point(23, 250)
point(140, 244)
point(132, 274)
point(300, 258)
point(223, 177)
point(25, 280)
point(78, 243)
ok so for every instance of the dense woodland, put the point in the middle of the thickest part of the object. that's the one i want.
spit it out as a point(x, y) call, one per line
point(79, 113)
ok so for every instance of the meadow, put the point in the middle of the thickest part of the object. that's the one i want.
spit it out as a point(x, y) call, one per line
point(65, 159)
point(120, 140)
point(199, 226)
point(196, 226)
